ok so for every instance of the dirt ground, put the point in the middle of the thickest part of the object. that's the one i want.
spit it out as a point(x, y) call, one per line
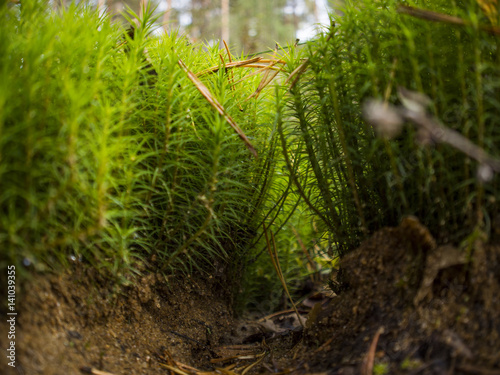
point(403, 305)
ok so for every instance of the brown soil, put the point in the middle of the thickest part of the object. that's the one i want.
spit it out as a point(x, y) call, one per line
point(436, 312)
point(79, 321)
point(405, 306)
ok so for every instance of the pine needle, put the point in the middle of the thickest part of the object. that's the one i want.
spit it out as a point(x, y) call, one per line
point(273, 254)
point(211, 99)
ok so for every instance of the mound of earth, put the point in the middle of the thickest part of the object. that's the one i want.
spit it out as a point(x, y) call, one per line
point(403, 306)
point(410, 307)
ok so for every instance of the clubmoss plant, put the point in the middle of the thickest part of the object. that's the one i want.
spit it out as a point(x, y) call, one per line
point(357, 182)
point(110, 155)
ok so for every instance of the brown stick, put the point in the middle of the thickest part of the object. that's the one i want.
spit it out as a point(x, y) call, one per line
point(273, 253)
point(367, 366)
point(211, 99)
point(243, 63)
point(93, 371)
point(444, 18)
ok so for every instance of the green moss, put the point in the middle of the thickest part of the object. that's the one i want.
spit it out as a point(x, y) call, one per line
point(357, 182)
point(110, 155)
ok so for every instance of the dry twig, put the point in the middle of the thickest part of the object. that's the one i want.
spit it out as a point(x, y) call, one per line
point(367, 366)
point(444, 18)
point(211, 99)
point(273, 253)
point(256, 62)
point(93, 371)
point(389, 120)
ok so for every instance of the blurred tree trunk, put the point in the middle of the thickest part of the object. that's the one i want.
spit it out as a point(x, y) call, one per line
point(205, 21)
point(101, 5)
point(143, 6)
point(166, 16)
point(295, 18)
point(58, 4)
point(225, 20)
point(256, 25)
point(315, 11)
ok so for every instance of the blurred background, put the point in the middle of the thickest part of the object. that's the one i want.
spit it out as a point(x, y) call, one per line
point(248, 26)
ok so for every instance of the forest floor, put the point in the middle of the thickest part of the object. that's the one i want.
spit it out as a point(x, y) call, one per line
point(404, 306)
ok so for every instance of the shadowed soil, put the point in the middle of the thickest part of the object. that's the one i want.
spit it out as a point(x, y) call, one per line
point(436, 309)
point(79, 320)
point(403, 306)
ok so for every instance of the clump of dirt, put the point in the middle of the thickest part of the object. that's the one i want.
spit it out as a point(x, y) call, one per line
point(404, 306)
point(424, 309)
